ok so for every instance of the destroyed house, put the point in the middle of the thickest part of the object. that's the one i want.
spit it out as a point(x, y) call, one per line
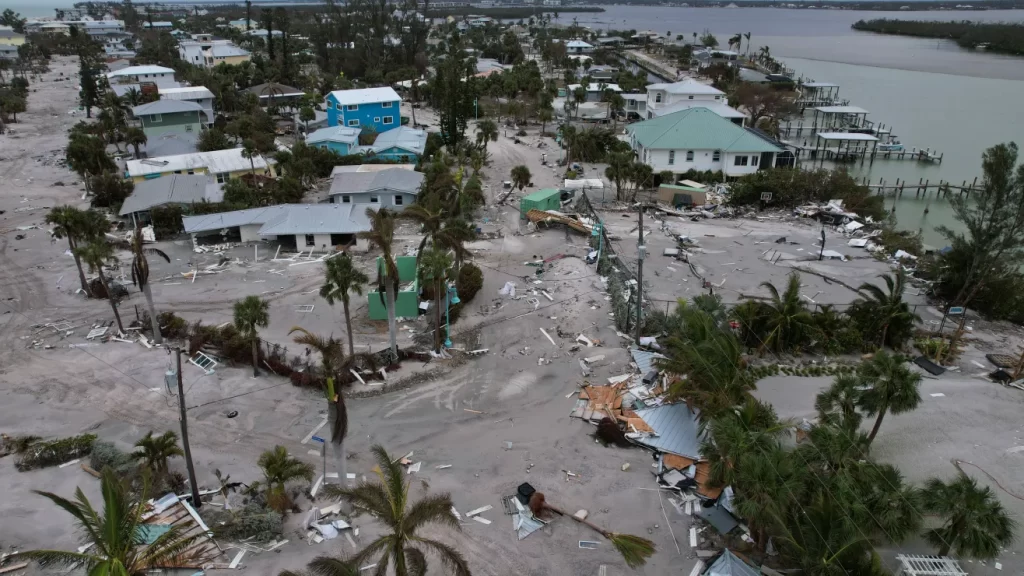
point(295, 227)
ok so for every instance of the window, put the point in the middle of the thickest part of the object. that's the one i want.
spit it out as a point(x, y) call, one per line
point(718, 97)
point(717, 156)
point(690, 97)
point(156, 118)
point(191, 172)
point(376, 119)
point(689, 155)
point(330, 105)
point(373, 199)
point(222, 178)
point(657, 96)
point(352, 107)
point(310, 240)
point(177, 171)
point(405, 159)
point(188, 128)
point(353, 122)
point(398, 199)
point(740, 161)
point(389, 119)
point(346, 199)
point(671, 157)
point(753, 160)
point(386, 104)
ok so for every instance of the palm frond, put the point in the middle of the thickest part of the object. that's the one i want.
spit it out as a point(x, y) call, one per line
point(370, 497)
point(436, 508)
point(47, 558)
point(415, 562)
point(634, 550)
point(332, 566)
point(451, 559)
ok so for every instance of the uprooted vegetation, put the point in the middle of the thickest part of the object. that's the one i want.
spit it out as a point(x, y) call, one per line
point(36, 453)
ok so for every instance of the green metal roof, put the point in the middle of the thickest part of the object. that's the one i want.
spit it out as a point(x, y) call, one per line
point(542, 194)
point(698, 129)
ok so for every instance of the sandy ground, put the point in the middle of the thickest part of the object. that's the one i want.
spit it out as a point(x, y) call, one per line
point(520, 386)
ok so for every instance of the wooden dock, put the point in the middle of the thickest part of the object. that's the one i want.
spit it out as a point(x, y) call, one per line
point(940, 189)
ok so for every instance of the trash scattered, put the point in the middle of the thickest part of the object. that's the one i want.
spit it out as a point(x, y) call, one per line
point(625, 466)
point(414, 468)
point(584, 340)
point(589, 544)
point(481, 520)
point(480, 510)
point(548, 336)
point(581, 514)
point(509, 289)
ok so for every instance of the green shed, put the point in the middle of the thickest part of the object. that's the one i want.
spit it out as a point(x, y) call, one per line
point(546, 199)
point(407, 299)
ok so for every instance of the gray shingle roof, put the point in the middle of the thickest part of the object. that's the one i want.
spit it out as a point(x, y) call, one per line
point(392, 180)
point(172, 189)
point(166, 107)
point(677, 428)
point(728, 564)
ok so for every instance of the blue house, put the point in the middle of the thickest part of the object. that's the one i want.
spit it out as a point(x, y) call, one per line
point(340, 139)
point(402, 144)
point(374, 109)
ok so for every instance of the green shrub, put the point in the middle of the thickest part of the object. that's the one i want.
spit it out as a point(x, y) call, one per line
point(54, 452)
point(107, 455)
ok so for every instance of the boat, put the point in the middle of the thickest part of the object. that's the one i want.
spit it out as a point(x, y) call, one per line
point(891, 146)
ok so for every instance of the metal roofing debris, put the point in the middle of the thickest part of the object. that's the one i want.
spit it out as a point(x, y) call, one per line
point(729, 564)
point(393, 180)
point(677, 429)
point(929, 566)
point(644, 359)
point(175, 512)
point(535, 216)
point(365, 96)
point(718, 518)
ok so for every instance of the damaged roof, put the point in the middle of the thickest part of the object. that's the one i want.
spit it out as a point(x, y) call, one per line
point(644, 359)
point(677, 429)
point(729, 564)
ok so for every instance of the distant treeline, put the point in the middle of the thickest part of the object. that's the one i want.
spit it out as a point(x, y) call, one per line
point(996, 37)
point(508, 13)
point(874, 5)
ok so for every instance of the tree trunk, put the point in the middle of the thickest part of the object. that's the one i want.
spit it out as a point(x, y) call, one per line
point(157, 337)
point(78, 263)
point(590, 525)
point(110, 298)
point(337, 448)
point(392, 328)
point(348, 326)
point(437, 312)
point(878, 424)
point(255, 357)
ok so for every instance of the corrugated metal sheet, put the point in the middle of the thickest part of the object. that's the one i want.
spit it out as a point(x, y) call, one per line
point(645, 360)
point(677, 428)
point(394, 180)
point(176, 188)
point(208, 222)
point(216, 162)
point(166, 107)
point(729, 564)
point(319, 219)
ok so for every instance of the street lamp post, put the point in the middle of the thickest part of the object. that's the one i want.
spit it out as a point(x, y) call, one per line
point(453, 298)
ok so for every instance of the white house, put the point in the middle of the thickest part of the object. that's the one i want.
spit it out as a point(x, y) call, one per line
point(199, 94)
point(699, 139)
point(294, 226)
point(159, 75)
point(665, 99)
point(578, 47)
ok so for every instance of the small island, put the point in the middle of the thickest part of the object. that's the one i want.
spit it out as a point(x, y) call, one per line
point(1003, 38)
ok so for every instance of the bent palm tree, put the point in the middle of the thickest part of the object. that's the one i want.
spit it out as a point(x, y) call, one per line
point(340, 278)
point(140, 275)
point(117, 544)
point(68, 222)
point(974, 523)
point(332, 357)
point(250, 315)
point(402, 544)
point(97, 254)
point(154, 451)
point(787, 320)
point(892, 312)
point(135, 137)
point(890, 387)
point(382, 235)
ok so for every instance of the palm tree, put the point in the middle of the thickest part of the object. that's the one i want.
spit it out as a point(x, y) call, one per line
point(486, 131)
point(97, 254)
point(735, 40)
point(327, 566)
point(382, 235)
point(786, 317)
point(340, 278)
point(767, 485)
point(402, 545)
point(974, 523)
point(430, 215)
point(616, 105)
point(250, 151)
point(140, 275)
point(77, 226)
point(132, 97)
point(751, 428)
point(251, 314)
point(332, 357)
point(521, 176)
point(154, 451)
point(837, 405)
point(892, 505)
point(747, 36)
point(436, 268)
point(889, 307)
point(306, 115)
point(278, 469)
point(135, 137)
point(820, 540)
point(890, 386)
point(545, 115)
point(117, 545)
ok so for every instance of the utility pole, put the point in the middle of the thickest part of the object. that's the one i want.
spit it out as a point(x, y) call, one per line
point(640, 275)
point(196, 502)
